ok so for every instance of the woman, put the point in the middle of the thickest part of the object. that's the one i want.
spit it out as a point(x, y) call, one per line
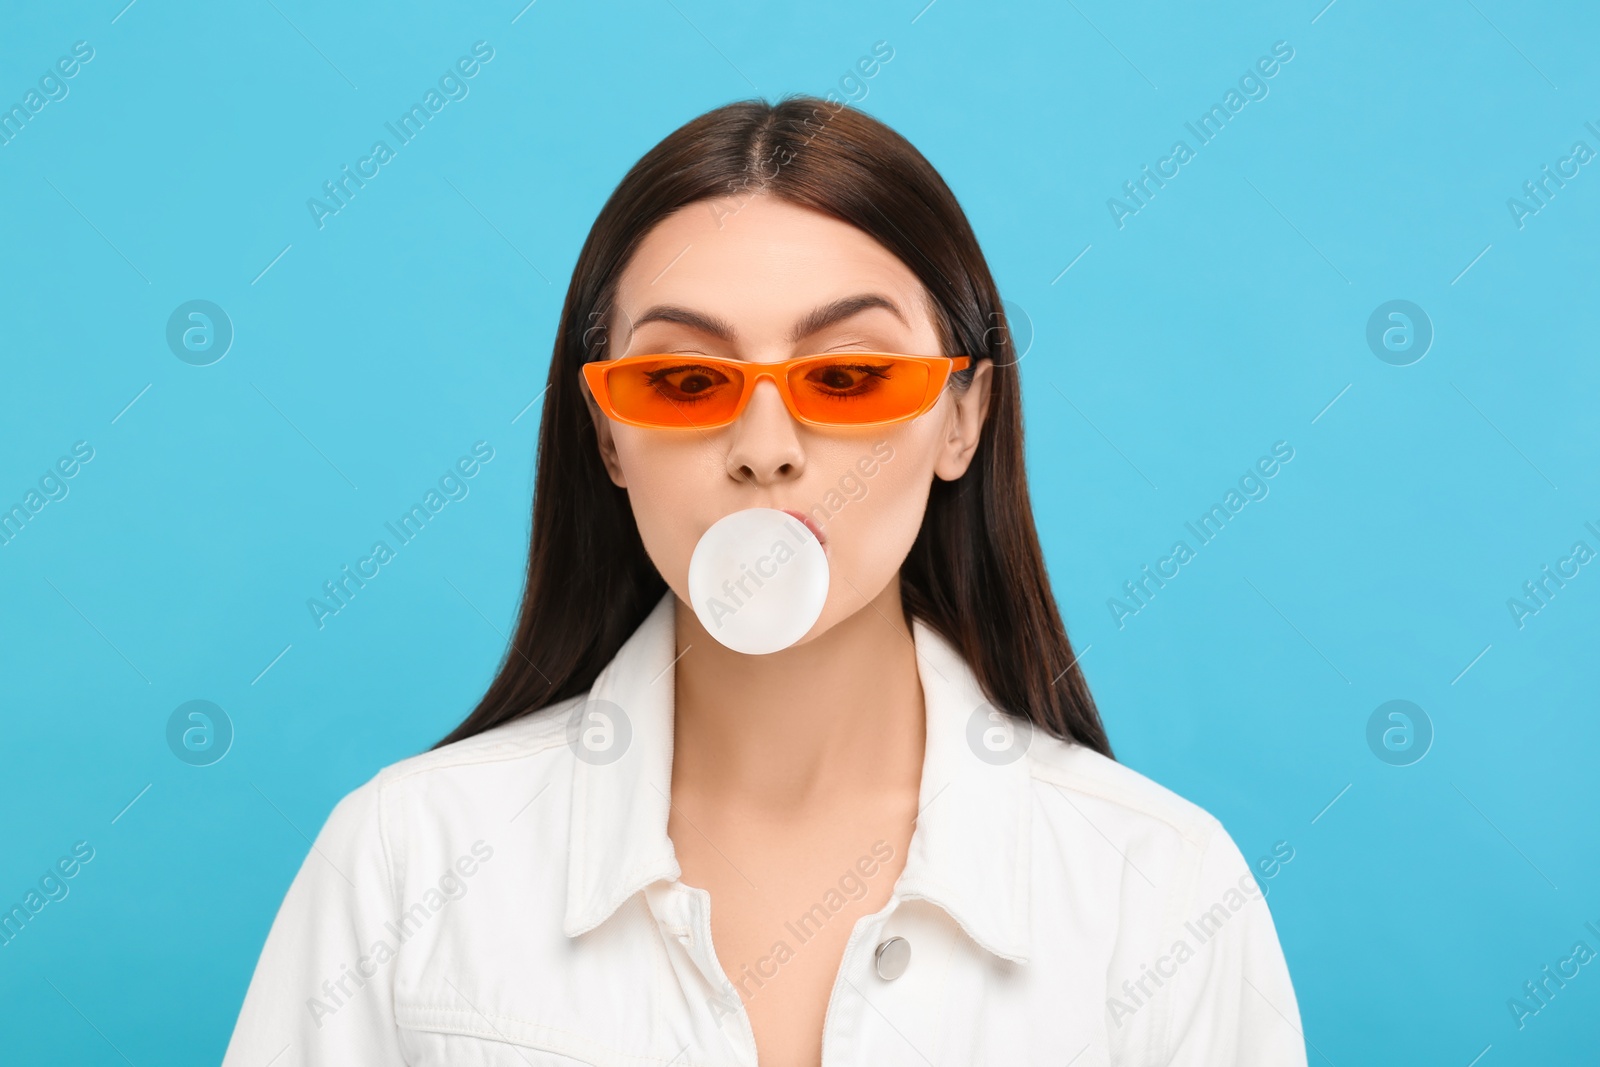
point(916, 842)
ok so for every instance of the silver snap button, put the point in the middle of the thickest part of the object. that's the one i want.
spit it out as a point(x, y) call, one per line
point(892, 957)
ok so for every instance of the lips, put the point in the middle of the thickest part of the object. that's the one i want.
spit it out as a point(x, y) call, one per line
point(805, 519)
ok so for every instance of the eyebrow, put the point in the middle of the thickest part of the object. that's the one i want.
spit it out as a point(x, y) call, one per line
point(813, 321)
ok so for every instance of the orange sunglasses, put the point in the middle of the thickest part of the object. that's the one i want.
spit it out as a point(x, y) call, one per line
point(837, 389)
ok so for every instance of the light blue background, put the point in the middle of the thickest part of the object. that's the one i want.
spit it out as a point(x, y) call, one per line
point(1224, 316)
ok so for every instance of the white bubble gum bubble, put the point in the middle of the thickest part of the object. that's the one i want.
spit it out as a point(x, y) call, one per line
point(758, 579)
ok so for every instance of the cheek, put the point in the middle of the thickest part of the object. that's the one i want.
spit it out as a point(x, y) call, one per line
point(869, 537)
point(886, 507)
point(667, 478)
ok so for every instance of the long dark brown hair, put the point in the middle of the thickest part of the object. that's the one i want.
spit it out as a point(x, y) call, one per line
point(975, 573)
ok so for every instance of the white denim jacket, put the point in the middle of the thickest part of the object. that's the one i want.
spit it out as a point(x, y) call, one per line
point(513, 899)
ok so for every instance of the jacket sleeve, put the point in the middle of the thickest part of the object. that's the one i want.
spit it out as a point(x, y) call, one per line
point(1234, 1002)
point(323, 989)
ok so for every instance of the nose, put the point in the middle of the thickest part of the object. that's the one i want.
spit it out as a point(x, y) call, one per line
point(764, 446)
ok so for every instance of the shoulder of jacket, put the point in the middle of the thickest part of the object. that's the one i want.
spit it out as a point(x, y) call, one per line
point(380, 816)
point(1080, 770)
point(538, 733)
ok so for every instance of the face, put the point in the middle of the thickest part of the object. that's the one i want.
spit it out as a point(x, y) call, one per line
point(738, 279)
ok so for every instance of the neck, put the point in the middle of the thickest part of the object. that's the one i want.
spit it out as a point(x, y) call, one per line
point(809, 728)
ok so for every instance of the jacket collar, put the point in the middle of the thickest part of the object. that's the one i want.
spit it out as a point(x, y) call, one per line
point(970, 852)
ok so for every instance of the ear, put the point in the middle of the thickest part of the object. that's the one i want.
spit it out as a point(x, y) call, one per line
point(964, 426)
point(603, 436)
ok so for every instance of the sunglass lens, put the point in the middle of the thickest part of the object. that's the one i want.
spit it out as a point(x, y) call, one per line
point(858, 387)
point(675, 392)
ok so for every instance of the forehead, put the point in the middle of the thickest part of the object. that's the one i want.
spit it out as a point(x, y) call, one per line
point(761, 264)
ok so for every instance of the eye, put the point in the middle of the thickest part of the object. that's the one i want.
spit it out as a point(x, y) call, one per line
point(686, 382)
point(847, 379)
